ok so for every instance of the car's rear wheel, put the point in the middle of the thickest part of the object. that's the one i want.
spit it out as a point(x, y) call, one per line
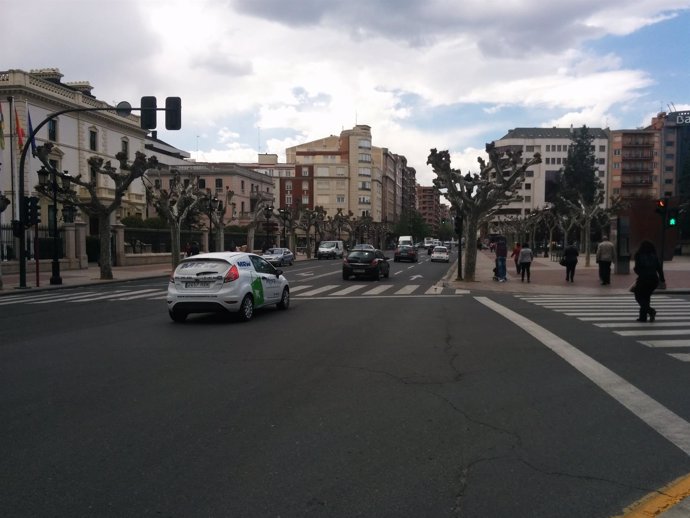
point(177, 315)
point(387, 274)
point(246, 311)
point(284, 299)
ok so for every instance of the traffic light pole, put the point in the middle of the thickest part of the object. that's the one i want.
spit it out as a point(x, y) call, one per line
point(21, 223)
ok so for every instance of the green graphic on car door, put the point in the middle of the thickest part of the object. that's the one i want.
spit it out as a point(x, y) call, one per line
point(258, 291)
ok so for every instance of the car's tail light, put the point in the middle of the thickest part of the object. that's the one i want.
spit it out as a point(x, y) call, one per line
point(345, 260)
point(232, 275)
point(373, 261)
point(172, 278)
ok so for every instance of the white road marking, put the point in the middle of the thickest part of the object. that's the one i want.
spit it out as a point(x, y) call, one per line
point(319, 290)
point(378, 290)
point(406, 290)
point(660, 332)
point(658, 417)
point(349, 290)
point(666, 343)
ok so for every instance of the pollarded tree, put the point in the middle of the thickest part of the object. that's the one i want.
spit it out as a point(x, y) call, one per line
point(101, 208)
point(175, 204)
point(479, 196)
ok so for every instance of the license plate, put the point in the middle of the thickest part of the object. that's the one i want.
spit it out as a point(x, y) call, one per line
point(197, 284)
point(358, 270)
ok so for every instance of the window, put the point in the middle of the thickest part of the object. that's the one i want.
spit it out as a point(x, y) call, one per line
point(529, 173)
point(157, 183)
point(364, 143)
point(125, 147)
point(528, 186)
point(548, 147)
point(305, 185)
point(669, 155)
point(288, 199)
point(202, 183)
point(668, 180)
point(617, 165)
point(602, 174)
point(601, 161)
point(668, 169)
point(616, 152)
point(602, 149)
point(186, 182)
point(340, 171)
point(529, 149)
point(219, 185)
point(322, 171)
point(52, 130)
point(305, 200)
point(365, 171)
point(93, 140)
point(340, 199)
point(365, 200)
point(364, 157)
point(288, 186)
point(365, 186)
point(323, 185)
point(305, 171)
point(528, 198)
point(242, 187)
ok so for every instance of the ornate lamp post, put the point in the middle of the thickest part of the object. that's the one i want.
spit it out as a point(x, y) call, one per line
point(268, 212)
point(48, 177)
point(214, 205)
point(285, 217)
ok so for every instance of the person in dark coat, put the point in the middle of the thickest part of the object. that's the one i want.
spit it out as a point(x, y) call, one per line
point(570, 255)
point(649, 274)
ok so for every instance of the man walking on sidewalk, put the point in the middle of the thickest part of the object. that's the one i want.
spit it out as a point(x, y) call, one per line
point(501, 255)
point(606, 254)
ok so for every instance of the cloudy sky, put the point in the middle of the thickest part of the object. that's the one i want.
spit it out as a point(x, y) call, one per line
point(262, 75)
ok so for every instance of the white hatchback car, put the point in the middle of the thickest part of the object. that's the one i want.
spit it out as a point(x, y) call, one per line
point(440, 253)
point(232, 282)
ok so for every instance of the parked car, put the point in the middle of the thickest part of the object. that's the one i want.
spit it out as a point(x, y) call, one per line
point(330, 250)
point(363, 246)
point(440, 253)
point(405, 253)
point(225, 282)
point(366, 263)
point(279, 256)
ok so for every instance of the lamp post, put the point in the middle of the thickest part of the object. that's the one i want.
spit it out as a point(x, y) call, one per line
point(285, 217)
point(43, 179)
point(268, 212)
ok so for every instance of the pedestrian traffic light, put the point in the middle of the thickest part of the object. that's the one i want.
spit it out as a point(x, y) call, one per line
point(671, 217)
point(661, 206)
point(148, 112)
point(173, 113)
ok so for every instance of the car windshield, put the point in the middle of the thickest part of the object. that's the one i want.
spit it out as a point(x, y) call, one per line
point(274, 251)
point(327, 245)
point(362, 255)
point(441, 249)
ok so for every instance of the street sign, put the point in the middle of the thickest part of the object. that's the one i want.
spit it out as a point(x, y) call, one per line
point(124, 109)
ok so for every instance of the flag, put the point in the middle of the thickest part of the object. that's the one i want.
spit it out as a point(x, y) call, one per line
point(19, 130)
point(31, 134)
point(2, 129)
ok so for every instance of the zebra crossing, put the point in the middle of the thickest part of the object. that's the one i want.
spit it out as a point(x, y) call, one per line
point(334, 291)
point(671, 333)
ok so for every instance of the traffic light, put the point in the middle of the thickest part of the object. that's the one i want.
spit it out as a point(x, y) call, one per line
point(458, 225)
point(173, 113)
point(661, 206)
point(33, 211)
point(148, 112)
point(671, 217)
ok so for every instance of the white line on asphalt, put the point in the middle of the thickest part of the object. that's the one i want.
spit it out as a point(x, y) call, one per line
point(406, 290)
point(349, 289)
point(295, 289)
point(362, 297)
point(29, 298)
point(144, 295)
point(434, 290)
point(71, 298)
point(660, 418)
point(627, 318)
point(319, 290)
point(461, 292)
point(644, 324)
point(684, 357)
point(659, 332)
point(621, 313)
point(378, 290)
point(106, 297)
point(666, 343)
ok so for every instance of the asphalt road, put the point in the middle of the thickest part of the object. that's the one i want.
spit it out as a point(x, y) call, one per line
point(400, 402)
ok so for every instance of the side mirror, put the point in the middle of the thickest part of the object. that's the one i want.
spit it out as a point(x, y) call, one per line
point(279, 273)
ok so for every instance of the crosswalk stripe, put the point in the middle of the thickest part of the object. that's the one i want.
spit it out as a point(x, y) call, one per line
point(643, 324)
point(619, 313)
point(144, 294)
point(684, 357)
point(657, 332)
point(627, 318)
point(378, 290)
point(434, 290)
point(349, 289)
point(406, 290)
point(295, 289)
point(69, 298)
point(38, 298)
point(319, 290)
point(105, 297)
point(666, 343)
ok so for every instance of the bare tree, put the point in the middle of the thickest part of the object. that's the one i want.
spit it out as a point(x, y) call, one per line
point(93, 204)
point(480, 196)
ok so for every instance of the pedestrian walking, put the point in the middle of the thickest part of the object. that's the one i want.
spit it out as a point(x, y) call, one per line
point(606, 254)
point(570, 258)
point(649, 275)
point(526, 257)
point(501, 248)
point(516, 256)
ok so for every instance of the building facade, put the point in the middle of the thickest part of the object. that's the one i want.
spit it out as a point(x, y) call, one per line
point(429, 207)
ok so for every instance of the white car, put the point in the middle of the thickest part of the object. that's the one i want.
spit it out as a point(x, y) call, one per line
point(440, 253)
point(225, 282)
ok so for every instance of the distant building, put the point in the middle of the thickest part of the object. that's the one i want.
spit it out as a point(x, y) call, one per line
point(429, 206)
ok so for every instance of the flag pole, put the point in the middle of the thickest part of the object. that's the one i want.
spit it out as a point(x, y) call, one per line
point(15, 197)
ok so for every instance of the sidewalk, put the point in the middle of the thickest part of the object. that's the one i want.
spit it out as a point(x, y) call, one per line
point(548, 277)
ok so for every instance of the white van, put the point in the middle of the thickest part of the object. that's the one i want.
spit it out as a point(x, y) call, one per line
point(330, 250)
point(405, 240)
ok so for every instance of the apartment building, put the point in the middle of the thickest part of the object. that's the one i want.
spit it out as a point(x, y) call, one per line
point(541, 183)
point(429, 206)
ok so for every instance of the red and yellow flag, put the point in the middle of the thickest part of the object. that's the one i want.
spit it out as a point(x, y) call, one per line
point(20, 130)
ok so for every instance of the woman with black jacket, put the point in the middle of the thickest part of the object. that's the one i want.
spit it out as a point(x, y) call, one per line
point(649, 275)
point(570, 257)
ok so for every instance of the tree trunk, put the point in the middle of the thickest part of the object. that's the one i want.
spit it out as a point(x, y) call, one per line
point(175, 230)
point(250, 239)
point(105, 260)
point(587, 231)
point(471, 248)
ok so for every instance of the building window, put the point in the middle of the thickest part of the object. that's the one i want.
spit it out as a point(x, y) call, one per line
point(669, 168)
point(242, 186)
point(305, 171)
point(125, 147)
point(202, 183)
point(364, 143)
point(528, 186)
point(365, 171)
point(529, 149)
point(340, 198)
point(340, 171)
point(52, 130)
point(668, 180)
point(288, 186)
point(617, 165)
point(93, 140)
point(365, 186)
point(601, 161)
point(288, 199)
point(305, 185)
point(602, 174)
point(364, 157)
point(365, 200)
point(322, 171)
point(617, 152)
point(528, 198)
point(305, 200)
point(323, 185)
point(219, 185)
point(157, 183)
point(602, 149)
point(670, 156)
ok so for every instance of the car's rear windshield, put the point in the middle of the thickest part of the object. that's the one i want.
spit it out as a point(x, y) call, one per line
point(205, 266)
point(440, 249)
point(327, 245)
point(362, 254)
point(274, 251)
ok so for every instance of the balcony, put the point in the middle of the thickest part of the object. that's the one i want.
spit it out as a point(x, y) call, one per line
point(636, 181)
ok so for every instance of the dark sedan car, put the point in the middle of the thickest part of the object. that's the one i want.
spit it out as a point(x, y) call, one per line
point(405, 253)
point(366, 263)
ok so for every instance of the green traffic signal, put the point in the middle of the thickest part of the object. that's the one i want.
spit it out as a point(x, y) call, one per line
point(672, 218)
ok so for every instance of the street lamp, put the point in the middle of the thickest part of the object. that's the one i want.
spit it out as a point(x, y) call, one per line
point(268, 212)
point(43, 179)
point(285, 217)
point(214, 204)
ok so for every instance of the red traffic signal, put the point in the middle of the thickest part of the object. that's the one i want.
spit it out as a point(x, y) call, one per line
point(661, 206)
